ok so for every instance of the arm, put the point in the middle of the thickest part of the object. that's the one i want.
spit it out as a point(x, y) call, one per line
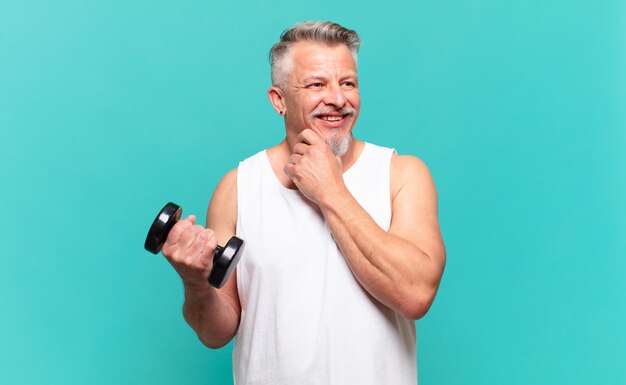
point(402, 267)
point(212, 313)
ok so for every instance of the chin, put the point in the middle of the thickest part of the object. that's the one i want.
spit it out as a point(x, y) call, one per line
point(339, 145)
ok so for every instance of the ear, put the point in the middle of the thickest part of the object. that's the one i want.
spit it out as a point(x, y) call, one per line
point(277, 98)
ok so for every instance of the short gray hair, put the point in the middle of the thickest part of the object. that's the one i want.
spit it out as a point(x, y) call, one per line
point(324, 32)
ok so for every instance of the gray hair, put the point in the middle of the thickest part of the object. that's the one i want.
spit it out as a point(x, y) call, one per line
point(324, 32)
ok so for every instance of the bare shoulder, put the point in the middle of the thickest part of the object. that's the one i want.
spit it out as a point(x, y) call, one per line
point(407, 163)
point(228, 183)
point(410, 172)
point(222, 211)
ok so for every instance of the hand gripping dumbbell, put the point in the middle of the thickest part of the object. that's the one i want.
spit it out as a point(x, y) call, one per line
point(224, 258)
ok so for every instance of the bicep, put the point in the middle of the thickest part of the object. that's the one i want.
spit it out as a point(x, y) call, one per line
point(414, 207)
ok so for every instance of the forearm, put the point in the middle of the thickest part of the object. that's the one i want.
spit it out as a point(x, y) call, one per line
point(210, 315)
point(394, 271)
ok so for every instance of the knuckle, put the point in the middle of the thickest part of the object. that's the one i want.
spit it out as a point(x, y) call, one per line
point(185, 231)
point(176, 231)
point(177, 257)
point(206, 258)
point(190, 232)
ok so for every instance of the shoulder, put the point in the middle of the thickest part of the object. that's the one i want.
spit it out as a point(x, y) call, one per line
point(227, 186)
point(409, 172)
point(406, 168)
point(223, 205)
point(228, 181)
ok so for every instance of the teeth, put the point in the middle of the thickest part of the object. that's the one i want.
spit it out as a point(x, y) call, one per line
point(331, 118)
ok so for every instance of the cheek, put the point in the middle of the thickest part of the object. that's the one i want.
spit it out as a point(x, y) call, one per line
point(354, 99)
point(313, 101)
point(306, 103)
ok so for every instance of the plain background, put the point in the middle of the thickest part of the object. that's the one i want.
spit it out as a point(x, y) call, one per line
point(109, 109)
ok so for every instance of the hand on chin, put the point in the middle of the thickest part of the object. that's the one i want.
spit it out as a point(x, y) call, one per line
point(313, 167)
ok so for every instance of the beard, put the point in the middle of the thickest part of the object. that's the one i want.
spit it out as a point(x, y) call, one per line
point(338, 144)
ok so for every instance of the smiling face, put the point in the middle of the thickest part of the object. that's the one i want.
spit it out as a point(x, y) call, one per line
point(321, 93)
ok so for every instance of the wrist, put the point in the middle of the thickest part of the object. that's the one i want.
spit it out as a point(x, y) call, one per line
point(335, 201)
point(197, 288)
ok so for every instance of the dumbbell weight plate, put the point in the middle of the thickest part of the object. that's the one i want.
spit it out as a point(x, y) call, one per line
point(225, 260)
point(163, 223)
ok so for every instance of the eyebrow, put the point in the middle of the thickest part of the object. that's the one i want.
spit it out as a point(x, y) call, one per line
point(313, 77)
point(322, 77)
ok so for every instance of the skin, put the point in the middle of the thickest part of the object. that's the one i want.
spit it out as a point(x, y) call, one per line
point(401, 267)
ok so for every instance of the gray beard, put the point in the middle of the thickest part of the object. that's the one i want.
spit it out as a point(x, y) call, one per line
point(339, 145)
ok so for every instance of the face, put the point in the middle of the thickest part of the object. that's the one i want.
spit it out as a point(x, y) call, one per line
point(322, 93)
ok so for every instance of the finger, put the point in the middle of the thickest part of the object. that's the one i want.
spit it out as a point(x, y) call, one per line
point(196, 246)
point(294, 158)
point(186, 240)
point(204, 259)
point(288, 169)
point(300, 148)
point(204, 238)
point(309, 136)
point(179, 228)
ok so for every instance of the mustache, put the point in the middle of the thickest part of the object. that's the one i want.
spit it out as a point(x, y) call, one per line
point(345, 110)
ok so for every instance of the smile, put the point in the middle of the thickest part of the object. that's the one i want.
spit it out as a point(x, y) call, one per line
point(332, 118)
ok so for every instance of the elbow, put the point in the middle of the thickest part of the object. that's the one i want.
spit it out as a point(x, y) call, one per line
point(415, 311)
point(213, 343)
point(417, 303)
point(418, 298)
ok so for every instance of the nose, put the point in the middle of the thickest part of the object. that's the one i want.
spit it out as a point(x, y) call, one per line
point(335, 96)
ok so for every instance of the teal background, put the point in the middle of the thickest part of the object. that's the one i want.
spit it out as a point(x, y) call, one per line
point(109, 109)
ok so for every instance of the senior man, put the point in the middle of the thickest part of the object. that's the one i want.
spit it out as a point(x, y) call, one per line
point(343, 251)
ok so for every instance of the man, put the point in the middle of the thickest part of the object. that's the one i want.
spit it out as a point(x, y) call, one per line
point(343, 249)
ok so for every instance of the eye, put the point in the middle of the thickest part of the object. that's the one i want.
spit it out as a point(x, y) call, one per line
point(349, 84)
point(316, 85)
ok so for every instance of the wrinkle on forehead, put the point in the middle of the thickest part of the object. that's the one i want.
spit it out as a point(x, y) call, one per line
point(314, 60)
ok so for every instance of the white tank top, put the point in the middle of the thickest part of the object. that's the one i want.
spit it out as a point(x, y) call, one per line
point(305, 319)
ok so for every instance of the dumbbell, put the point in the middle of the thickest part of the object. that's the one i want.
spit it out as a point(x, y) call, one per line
point(224, 258)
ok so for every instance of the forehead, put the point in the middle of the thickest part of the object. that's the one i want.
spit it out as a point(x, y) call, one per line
point(310, 57)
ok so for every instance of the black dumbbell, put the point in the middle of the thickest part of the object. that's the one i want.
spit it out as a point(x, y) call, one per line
point(224, 259)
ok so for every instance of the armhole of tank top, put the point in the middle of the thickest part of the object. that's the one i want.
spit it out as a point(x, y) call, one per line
point(241, 170)
point(240, 188)
point(389, 155)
